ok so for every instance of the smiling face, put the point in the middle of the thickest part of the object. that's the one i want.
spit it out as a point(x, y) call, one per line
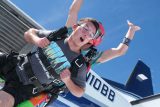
point(83, 33)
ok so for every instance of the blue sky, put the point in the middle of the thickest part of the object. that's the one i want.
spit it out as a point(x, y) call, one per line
point(52, 14)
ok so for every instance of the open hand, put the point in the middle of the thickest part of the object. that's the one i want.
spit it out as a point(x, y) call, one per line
point(132, 26)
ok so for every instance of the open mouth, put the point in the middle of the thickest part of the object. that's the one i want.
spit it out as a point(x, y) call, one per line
point(81, 39)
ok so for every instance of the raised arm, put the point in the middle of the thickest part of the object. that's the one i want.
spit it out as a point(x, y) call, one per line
point(122, 47)
point(73, 12)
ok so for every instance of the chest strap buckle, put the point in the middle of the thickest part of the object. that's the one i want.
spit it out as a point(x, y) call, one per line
point(78, 63)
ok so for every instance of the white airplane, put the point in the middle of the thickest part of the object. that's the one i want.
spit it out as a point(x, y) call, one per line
point(100, 92)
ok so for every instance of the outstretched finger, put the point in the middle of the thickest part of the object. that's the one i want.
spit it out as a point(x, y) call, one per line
point(129, 23)
point(137, 28)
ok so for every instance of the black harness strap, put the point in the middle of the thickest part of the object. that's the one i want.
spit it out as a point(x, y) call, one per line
point(92, 52)
point(76, 64)
point(33, 79)
point(58, 34)
point(89, 56)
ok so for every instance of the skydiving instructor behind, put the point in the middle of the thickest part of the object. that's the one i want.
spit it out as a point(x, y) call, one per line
point(58, 55)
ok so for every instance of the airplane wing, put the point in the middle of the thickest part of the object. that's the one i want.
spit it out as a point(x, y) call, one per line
point(150, 101)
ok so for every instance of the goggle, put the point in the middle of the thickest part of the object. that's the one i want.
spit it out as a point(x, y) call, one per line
point(85, 27)
point(97, 37)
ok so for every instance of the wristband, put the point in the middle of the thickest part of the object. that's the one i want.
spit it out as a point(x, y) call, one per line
point(126, 41)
